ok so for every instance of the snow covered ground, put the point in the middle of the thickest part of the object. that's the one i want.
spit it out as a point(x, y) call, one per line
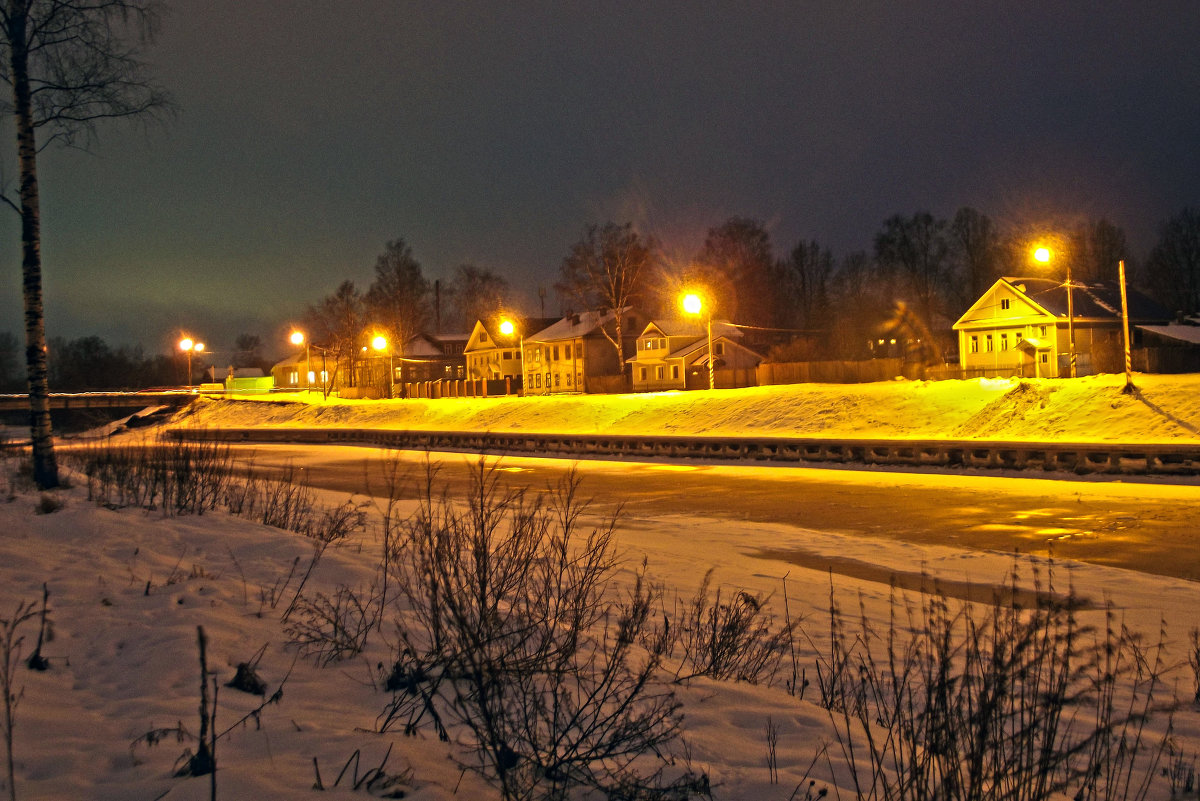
point(129, 587)
point(1166, 408)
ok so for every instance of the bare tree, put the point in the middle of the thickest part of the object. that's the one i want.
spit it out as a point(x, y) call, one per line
point(975, 246)
point(69, 63)
point(804, 286)
point(335, 326)
point(916, 247)
point(1095, 248)
point(477, 293)
point(398, 298)
point(737, 263)
point(606, 269)
point(1173, 269)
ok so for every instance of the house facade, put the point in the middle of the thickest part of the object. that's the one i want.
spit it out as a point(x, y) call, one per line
point(673, 354)
point(491, 355)
point(1020, 326)
point(571, 354)
point(432, 357)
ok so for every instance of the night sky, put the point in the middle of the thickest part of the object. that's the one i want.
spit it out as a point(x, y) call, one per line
point(310, 133)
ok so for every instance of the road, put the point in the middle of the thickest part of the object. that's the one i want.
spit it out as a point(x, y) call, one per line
point(1152, 527)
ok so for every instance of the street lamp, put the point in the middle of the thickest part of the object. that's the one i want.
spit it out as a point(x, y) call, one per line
point(189, 346)
point(297, 338)
point(379, 343)
point(692, 304)
point(508, 328)
point(1042, 254)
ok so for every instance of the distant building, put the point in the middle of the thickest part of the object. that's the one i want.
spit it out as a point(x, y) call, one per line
point(1020, 327)
point(574, 353)
point(432, 357)
point(491, 355)
point(673, 354)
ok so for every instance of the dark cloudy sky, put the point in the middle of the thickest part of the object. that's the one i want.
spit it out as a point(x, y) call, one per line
point(310, 133)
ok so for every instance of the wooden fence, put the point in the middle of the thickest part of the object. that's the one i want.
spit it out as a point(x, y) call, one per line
point(829, 372)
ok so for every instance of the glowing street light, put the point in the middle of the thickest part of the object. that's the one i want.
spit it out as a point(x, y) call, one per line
point(379, 343)
point(692, 304)
point(190, 346)
point(1043, 254)
point(508, 328)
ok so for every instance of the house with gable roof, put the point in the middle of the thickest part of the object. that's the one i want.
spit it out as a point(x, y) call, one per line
point(492, 355)
point(572, 353)
point(673, 354)
point(1020, 326)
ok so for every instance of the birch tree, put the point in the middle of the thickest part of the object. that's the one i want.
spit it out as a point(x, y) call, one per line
point(69, 64)
point(607, 269)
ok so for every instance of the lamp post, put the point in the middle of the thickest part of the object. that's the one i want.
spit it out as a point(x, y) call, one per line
point(380, 344)
point(190, 346)
point(692, 304)
point(1042, 254)
point(508, 328)
point(297, 339)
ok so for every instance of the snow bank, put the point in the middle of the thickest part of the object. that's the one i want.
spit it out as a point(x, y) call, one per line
point(1092, 409)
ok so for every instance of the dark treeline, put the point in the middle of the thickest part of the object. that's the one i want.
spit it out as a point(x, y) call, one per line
point(89, 363)
point(829, 305)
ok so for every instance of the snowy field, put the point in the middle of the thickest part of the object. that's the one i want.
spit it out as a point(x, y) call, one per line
point(128, 588)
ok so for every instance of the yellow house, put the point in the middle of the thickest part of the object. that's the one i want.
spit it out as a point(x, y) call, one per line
point(1020, 327)
point(673, 354)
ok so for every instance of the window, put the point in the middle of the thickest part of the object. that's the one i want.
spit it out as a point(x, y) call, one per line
point(294, 377)
point(1043, 331)
point(557, 379)
point(578, 350)
point(643, 373)
point(1005, 303)
point(658, 372)
point(989, 343)
point(1045, 358)
point(974, 343)
point(483, 336)
point(1003, 342)
point(555, 353)
point(568, 379)
point(719, 348)
point(537, 380)
point(675, 371)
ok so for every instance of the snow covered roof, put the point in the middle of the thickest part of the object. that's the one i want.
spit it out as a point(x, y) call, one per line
point(582, 324)
point(682, 327)
point(1094, 299)
point(1182, 333)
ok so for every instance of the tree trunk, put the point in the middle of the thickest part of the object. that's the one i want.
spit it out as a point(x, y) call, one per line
point(45, 466)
